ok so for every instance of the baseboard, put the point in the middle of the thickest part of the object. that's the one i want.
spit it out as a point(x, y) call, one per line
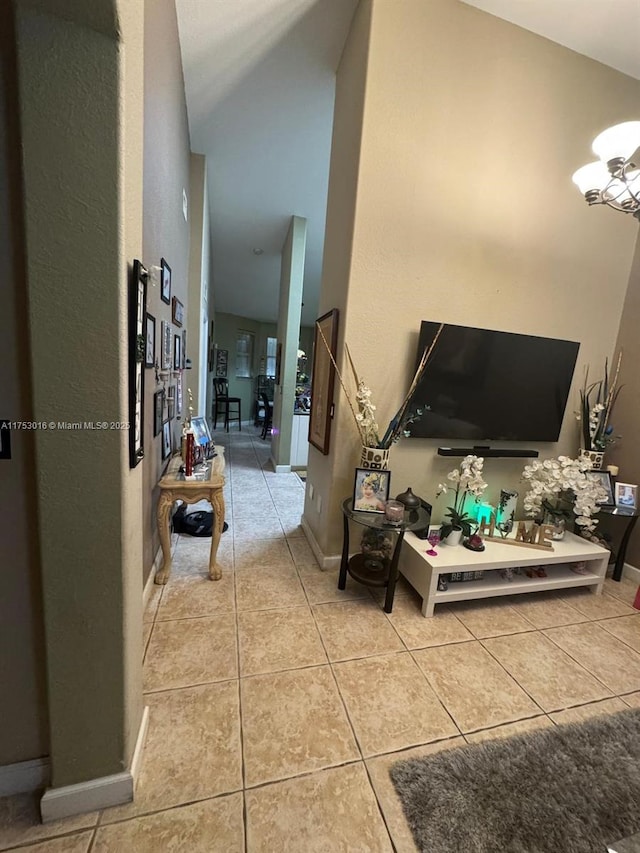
point(282, 469)
point(95, 794)
point(149, 584)
point(631, 573)
point(326, 563)
point(24, 776)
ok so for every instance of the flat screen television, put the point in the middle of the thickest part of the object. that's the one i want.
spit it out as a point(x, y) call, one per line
point(496, 386)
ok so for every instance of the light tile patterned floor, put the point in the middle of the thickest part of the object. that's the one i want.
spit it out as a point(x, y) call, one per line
point(278, 702)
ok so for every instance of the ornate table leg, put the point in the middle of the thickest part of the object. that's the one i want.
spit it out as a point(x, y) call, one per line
point(217, 502)
point(165, 502)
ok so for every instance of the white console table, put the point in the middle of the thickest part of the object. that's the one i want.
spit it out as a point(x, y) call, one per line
point(422, 571)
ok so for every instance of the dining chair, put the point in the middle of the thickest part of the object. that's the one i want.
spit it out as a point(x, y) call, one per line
point(268, 416)
point(222, 404)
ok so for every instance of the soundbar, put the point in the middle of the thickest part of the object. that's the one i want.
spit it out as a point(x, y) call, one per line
point(485, 451)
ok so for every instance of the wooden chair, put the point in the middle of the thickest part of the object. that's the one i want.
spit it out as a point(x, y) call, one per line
point(268, 416)
point(222, 404)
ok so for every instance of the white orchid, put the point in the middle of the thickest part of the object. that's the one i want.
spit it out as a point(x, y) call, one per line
point(555, 485)
point(467, 480)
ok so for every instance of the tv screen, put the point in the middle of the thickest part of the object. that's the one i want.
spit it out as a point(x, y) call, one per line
point(496, 386)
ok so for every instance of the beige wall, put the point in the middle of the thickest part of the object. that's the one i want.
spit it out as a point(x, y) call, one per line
point(198, 315)
point(165, 232)
point(23, 733)
point(464, 212)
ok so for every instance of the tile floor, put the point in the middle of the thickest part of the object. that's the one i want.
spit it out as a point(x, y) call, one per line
point(278, 703)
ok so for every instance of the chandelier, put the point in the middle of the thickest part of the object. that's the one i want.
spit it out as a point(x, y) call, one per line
point(614, 179)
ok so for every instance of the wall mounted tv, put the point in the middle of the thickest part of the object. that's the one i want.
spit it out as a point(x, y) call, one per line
point(498, 386)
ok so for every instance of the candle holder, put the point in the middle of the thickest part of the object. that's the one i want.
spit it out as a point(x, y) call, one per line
point(394, 512)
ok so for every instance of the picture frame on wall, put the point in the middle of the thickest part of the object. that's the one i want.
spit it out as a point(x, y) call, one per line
point(165, 358)
point(177, 343)
point(171, 402)
point(184, 349)
point(165, 284)
point(177, 311)
point(158, 411)
point(222, 358)
point(371, 490)
point(322, 380)
point(150, 348)
point(166, 440)
point(137, 351)
point(179, 395)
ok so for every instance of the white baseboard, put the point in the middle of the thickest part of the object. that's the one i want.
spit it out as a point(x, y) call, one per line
point(95, 794)
point(631, 573)
point(149, 585)
point(326, 563)
point(24, 776)
point(283, 469)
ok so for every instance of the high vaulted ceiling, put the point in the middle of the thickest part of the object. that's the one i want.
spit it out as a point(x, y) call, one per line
point(259, 80)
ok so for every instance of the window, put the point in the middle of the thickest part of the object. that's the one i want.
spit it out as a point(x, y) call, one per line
point(272, 344)
point(244, 354)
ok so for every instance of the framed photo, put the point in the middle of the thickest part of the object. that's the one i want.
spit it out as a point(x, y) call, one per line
point(222, 357)
point(177, 343)
point(184, 349)
point(150, 348)
point(165, 360)
point(158, 411)
point(626, 496)
point(177, 311)
point(201, 432)
point(165, 287)
point(179, 395)
point(166, 440)
point(171, 402)
point(322, 379)
point(137, 353)
point(604, 478)
point(371, 490)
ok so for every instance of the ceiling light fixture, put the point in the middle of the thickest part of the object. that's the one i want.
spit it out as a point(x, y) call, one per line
point(614, 179)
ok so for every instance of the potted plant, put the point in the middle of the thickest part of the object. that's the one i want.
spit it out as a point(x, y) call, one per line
point(597, 400)
point(467, 480)
point(561, 487)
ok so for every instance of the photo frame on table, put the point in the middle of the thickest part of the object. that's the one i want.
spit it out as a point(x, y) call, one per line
point(371, 490)
point(604, 478)
point(201, 431)
point(177, 344)
point(222, 358)
point(158, 411)
point(626, 496)
point(166, 440)
point(322, 380)
point(150, 347)
point(165, 281)
point(137, 352)
point(165, 352)
point(177, 311)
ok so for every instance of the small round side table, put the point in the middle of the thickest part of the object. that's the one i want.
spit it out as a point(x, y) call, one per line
point(385, 572)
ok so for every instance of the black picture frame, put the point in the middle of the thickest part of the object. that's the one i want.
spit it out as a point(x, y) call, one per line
point(165, 283)
point(171, 402)
point(177, 345)
point(184, 349)
point(158, 411)
point(177, 311)
point(604, 478)
point(166, 440)
point(322, 380)
point(150, 342)
point(222, 358)
point(165, 345)
point(380, 481)
point(137, 346)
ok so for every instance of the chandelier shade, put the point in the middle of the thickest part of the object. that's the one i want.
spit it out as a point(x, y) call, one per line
point(614, 179)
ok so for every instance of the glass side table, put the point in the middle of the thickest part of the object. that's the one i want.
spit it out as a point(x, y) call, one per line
point(377, 566)
point(631, 517)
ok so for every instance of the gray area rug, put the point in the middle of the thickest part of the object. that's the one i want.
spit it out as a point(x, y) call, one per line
point(570, 789)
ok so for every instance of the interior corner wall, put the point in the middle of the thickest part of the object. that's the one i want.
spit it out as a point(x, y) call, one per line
point(465, 212)
point(82, 214)
point(289, 312)
point(24, 731)
point(626, 413)
point(165, 231)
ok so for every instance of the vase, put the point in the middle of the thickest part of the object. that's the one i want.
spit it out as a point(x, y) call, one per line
point(454, 537)
point(410, 500)
point(596, 457)
point(376, 458)
point(506, 510)
point(557, 522)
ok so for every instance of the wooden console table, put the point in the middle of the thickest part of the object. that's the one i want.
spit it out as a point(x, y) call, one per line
point(174, 487)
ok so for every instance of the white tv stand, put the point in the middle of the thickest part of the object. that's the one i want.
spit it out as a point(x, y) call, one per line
point(422, 571)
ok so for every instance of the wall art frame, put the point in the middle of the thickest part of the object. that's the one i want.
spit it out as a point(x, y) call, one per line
point(177, 346)
point(222, 360)
point(166, 440)
point(165, 281)
point(150, 345)
point(177, 311)
point(165, 352)
point(322, 380)
point(158, 412)
point(137, 330)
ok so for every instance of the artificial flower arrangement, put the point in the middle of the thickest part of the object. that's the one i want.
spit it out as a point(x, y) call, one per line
point(561, 486)
point(596, 407)
point(467, 480)
point(365, 417)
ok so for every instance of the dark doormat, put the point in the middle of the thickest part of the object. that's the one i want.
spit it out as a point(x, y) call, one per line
point(570, 789)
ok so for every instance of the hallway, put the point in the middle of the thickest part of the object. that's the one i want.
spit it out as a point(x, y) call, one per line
point(277, 702)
